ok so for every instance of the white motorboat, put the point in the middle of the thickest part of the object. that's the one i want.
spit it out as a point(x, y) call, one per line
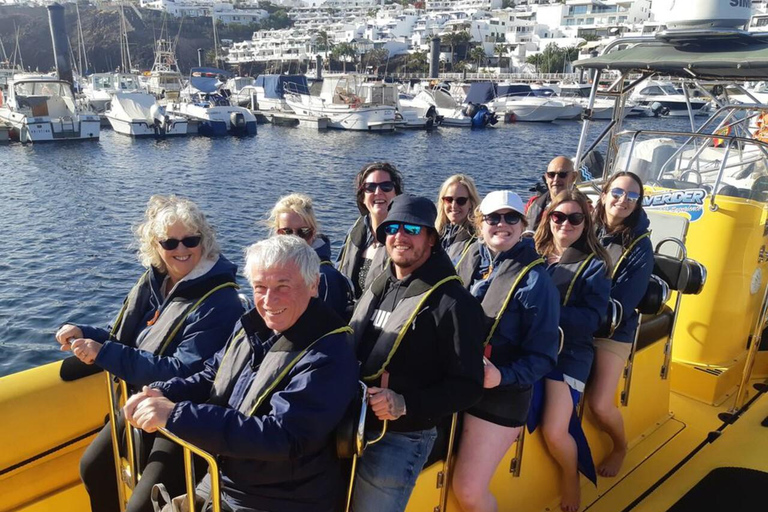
point(519, 102)
point(664, 99)
point(453, 113)
point(340, 102)
point(43, 108)
point(269, 91)
point(165, 78)
point(201, 101)
point(240, 88)
point(602, 109)
point(417, 114)
point(100, 87)
point(139, 115)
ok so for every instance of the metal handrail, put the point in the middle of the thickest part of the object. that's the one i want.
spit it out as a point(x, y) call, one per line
point(115, 436)
point(189, 471)
point(668, 346)
point(756, 339)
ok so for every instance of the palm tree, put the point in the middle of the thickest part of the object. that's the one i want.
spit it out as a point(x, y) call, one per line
point(478, 55)
point(342, 52)
point(500, 49)
point(324, 42)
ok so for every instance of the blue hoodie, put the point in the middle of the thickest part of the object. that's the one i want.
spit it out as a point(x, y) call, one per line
point(581, 317)
point(526, 340)
point(630, 280)
point(205, 331)
point(335, 288)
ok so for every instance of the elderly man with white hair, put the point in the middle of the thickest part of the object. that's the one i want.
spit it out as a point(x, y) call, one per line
point(268, 402)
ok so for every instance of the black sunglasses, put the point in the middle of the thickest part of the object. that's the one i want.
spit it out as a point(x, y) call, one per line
point(305, 233)
point(188, 241)
point(384, 186)
point(574, 218)
point(461, 201)
point(562, 174)
point(409, 229)
point(494, 219)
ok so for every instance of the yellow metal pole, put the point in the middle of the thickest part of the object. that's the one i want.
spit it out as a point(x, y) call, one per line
point(115, 441)
point(189, 470)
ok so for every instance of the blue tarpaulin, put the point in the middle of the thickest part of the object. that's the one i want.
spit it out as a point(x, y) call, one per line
point(514, 90)
point(275, 85)
point(206, 80)
point(480, 93)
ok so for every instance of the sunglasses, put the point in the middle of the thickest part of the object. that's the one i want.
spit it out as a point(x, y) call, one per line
point(494, 219)
point(304, 233)
point(408, 229)
point(618, 193)
point(574, 218)
point(562, 174)
point(188, 241)
point(384, 186)
point(461, 201)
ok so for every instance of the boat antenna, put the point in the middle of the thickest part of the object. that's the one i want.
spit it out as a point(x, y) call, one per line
point(215, 39)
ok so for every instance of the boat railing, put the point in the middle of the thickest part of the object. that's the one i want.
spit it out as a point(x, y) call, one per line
point(730, 143)
point(127, 474)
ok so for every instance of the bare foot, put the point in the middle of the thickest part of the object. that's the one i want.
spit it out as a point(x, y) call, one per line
point(612, 463)
point(571, 494)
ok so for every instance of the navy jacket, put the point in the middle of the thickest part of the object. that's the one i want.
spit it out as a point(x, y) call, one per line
point(630, 280)
point(581, 317)
point(335, 288)
point(205, 331)
point(284, 460)
point(526, 341)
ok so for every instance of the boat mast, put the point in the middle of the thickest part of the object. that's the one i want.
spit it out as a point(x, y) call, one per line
point(215, 39)
point(82, 59)
point(125, 51)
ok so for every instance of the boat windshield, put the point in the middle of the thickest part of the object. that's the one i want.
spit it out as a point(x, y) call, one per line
point(128, 82)
point(46, 89)
point(101, 82)
point(669, 89)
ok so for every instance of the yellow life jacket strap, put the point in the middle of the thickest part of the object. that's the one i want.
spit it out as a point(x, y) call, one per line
point(627, 251)
point(512, 289)
point(183, 319)
point(290, 366)
point(240, 334)
point(465, 251)
point(119, 319)
point(407, 325)
point(576, 276)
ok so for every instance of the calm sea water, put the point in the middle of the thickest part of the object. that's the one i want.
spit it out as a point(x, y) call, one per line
point(66, 209)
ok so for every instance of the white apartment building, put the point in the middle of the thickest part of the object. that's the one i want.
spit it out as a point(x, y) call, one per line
point(598, 17)
point(224, 12)
point(462, 5)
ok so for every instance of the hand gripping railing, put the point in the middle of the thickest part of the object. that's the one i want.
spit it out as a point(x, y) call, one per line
point(127, 474)
point(189, 472)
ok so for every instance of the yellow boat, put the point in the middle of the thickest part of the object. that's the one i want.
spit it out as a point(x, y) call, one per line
point(693, 397)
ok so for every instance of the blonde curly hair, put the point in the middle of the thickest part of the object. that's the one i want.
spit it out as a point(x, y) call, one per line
point(163, 212)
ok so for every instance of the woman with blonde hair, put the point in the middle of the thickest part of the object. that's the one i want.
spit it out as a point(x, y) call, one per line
point(294, 215)
point(456, 205)
point(578, 266)
point(179, 313)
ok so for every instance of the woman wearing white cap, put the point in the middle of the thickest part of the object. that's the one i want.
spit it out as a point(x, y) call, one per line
point(504, 272)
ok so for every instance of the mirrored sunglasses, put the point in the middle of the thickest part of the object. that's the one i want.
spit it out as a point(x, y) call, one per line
point(305, 233)
point(461, 201)
point(618, 193)
point(574, 218)
point(188, 241)
point(408, 229)
point(494, 219)
point(384, 186)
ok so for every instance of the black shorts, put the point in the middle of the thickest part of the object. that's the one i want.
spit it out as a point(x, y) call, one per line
point(504, 405)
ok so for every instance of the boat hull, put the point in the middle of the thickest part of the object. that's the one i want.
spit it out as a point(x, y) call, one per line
point(47, 129)
point(140, 128)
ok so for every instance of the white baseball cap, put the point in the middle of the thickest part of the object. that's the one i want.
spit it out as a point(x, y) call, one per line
point(502, 200)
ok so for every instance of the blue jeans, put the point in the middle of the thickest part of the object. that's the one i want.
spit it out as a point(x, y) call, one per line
point(387, 471)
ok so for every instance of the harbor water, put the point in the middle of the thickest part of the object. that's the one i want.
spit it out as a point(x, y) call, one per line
point(67, 209)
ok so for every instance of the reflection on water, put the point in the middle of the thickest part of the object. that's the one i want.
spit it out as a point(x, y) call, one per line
point(67, 208)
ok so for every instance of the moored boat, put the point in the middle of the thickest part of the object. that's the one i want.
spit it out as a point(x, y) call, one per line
point(138, 114)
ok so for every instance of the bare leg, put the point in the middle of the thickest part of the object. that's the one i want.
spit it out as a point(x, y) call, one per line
point(601, 399)
point(483, 445)
point(558, 407)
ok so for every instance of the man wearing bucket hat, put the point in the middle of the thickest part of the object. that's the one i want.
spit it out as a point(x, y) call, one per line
point(420, 349)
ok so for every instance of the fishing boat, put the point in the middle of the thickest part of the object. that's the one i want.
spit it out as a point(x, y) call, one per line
point(202, 101)
point(137, 114)
point(693, 396)
point(165, 78)
point(43, 108)
point(99, 88)
point(340, 101)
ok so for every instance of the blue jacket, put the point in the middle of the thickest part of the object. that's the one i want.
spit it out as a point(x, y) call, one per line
point(283, 457)
point(630, 279)
point(580, 317)
point(335, 288)
point(526, 341)
point(204, 332)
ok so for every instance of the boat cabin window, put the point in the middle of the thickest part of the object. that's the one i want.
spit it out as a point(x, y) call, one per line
point(652, 91)
point(128, 82)
point(47, 89)
point(102, 82)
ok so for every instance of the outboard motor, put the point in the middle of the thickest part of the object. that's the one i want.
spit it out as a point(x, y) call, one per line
point(237, 122)
point(161, 120)
point(658, 109)
point(470, 110)
point(433, 120)
point(483, 117)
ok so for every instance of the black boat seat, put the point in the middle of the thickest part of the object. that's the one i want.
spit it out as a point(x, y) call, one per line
point(686, 276)
point(655, 328)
